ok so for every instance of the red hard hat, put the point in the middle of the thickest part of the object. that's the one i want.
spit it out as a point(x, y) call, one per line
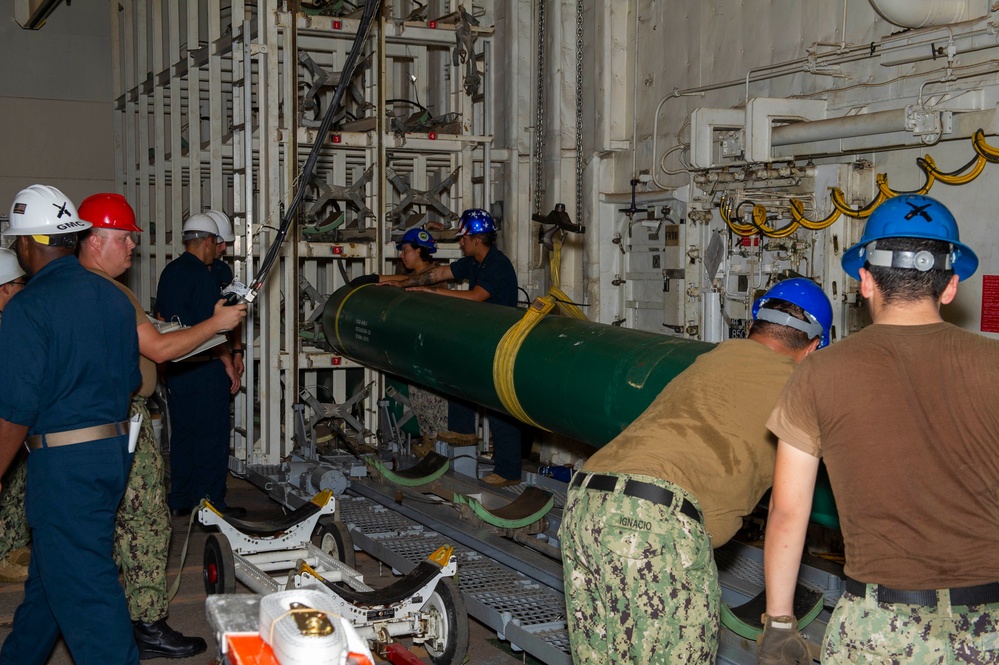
point(108, 211)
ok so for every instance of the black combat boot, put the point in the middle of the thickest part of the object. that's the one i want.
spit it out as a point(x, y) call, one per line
point(158, 640)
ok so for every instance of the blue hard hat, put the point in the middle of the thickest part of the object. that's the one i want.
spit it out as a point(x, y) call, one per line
point(420, 238)
point(911, 216)
point(807, 295)
point(475, 221)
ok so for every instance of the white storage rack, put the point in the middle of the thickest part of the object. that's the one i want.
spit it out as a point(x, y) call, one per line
point(207, 97)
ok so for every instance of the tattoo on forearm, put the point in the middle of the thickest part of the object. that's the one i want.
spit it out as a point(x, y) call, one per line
point(423, 279)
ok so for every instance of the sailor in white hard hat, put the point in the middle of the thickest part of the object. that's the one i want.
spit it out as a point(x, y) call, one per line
point(199, 387)
point(69, 362)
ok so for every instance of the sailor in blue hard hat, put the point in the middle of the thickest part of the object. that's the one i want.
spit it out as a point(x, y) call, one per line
point(911, 216)
point(902, 413)
point(491, 278)
point(475, 222)
point(807, 295)
point(415, 249)
point(489, 273)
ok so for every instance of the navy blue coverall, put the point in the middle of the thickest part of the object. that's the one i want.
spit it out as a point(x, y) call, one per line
point(221, 273)
point(496, 275)
point(197, 391)
point(69, 359)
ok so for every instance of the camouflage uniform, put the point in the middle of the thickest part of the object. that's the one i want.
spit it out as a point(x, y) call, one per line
point(14, 532)
point(13, 521)
point(861, 630)
point(640, 579)
point(142, 527)
point(430, 410)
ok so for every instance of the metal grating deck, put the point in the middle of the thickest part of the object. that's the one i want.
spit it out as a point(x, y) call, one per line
point(530, 615)
point(514, 590)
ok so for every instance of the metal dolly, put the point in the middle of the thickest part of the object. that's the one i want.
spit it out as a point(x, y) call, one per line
point(277, 555)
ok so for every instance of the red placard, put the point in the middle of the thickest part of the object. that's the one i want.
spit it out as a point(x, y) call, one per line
point(337, 25)
point(990, 303)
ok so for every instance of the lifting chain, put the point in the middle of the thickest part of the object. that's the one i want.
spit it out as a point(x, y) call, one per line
point(539, 139)
point(579, 112)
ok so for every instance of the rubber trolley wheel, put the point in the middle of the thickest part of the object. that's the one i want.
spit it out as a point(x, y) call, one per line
point(333, 537)
point(220, 566)
point(447, 624)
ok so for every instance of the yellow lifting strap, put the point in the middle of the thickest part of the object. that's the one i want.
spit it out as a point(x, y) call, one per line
point(506, 356)
point(564, 303)
point(509, 346)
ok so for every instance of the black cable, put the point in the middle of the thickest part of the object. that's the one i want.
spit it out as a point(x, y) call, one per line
point(759, 228)
point(408, 101)
point(752, 220)
point(925, 167)
point(569, 302)
point(739, 207)
point(370, 8)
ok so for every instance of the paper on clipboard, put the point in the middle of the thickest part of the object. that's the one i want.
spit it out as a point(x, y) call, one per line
point(134, 427)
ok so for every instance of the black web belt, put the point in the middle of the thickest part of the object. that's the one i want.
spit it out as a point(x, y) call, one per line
point(636, 489)
point(982, 594)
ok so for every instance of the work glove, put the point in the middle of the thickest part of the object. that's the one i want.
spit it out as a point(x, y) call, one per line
point(781, 643)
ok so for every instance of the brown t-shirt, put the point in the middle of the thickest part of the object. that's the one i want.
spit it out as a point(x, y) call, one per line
point(146, 366)
point(706, 432)
point(907, 422)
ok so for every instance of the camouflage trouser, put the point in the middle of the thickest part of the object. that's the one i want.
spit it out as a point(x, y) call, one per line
point(14, 531)
point(641, 584)
point(861, 630)
point(142, 528)
point(430, 410)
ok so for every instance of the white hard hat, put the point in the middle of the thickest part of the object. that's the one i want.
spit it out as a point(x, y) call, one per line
point(225, 226)
point(43, 210)
point(10, 269)
point(198, 225)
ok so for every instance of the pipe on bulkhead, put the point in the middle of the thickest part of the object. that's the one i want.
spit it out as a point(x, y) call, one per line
point(862, 124)
point(929, 13)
